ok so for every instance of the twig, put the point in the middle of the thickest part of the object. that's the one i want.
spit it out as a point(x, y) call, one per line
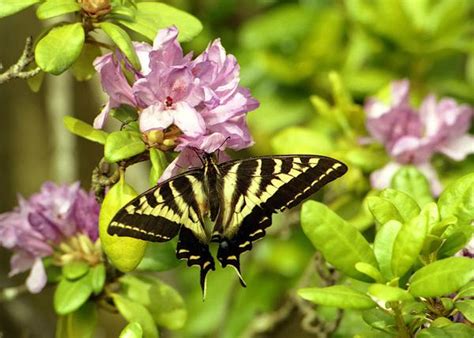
point(17, 71)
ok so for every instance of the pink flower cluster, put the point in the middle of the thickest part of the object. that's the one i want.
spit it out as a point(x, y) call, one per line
point(39, 224)
point(201, 97)
point(413, 136)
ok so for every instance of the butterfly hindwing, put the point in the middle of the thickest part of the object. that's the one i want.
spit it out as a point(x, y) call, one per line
point(177, 205)
point(256, 188)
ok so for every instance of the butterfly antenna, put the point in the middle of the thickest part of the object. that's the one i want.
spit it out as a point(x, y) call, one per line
point(218, 149)
point(198, 155)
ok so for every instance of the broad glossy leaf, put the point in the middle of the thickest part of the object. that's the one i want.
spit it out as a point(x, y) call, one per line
point(389, 293)
point(455, 242)
point(78, 324)
point(341, 244)
point(60, 48)
point(135, 312)
point(466, 291)
point(412, 182)
point(124, 252)
point(467, 308)
point(75, 269)
point(125, 114)
point(408, 244)
point(164, 303)
point(123, 41)
point(52, 8)
point(9, 7)
point(70, 295)
point(458, 200)
point(339, 296)
point(369, 270)
point(379, 320)
point(158, 165)
point(121, 145)
point(159, 257)
point(406, 205)
point(83, 69)
point(383, 210)
point(152, 16)
point(132, 330)
point(456, 330)
point(442, 277)
point(98, 278)
point(85, 130)
point(383, 247)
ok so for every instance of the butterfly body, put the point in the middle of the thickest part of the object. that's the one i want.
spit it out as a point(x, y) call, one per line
point(238, 196)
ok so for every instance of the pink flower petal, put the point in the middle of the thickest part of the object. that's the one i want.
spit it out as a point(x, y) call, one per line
point(37, 278)
point(458, 148)
point(382, 178)
point(155, 117)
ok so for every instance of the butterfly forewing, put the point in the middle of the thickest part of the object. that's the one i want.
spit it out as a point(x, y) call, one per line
point(176, 205)
point(255, 188)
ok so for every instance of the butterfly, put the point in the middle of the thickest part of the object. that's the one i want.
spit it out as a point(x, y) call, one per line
point(239, 197)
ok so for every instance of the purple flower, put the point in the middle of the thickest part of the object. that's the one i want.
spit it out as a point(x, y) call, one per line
point(413, 136)
point(39, 225)
point(201, 97)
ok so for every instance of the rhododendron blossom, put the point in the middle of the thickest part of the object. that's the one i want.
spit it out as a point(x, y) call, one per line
point(201, 97)
point(413, 136)
point(40, 225)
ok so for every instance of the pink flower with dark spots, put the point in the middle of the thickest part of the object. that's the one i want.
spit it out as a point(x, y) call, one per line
point(413, 135)
point(38, 225)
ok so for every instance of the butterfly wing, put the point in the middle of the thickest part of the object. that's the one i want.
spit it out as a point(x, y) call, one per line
point(177, 205)
point(255, 188)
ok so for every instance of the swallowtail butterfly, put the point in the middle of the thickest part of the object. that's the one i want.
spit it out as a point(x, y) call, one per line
point(238, 196)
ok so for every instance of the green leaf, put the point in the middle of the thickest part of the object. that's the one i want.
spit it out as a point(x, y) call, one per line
point(60, 48)
point(164, 303)
point(379, 320)
point(135, 312)
point(121, 145)
point(159, 257)
point(408, 244)
point(70, 295)
point(467, 308)
point(75, 269)
point(456, 330)
point(412, 182)
point(339, 296)
point(78, 324)
point(98, 278)
point(132, 330)
point(84, 130)
point(158, 165)
point(458, 200)
point(383, 247)
point(442, 277)
point(383, 210)
point(406, 206)
point(83, 69)
point(340, 243)
point(466, 291)
point(369, 270)
point(52, 8)
point(123, 41)
point(152, 16)
point(389, 293)
point(124, 113)
point(455, 242)
point(9, 7)
point(35, 82)
point(124, 252)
